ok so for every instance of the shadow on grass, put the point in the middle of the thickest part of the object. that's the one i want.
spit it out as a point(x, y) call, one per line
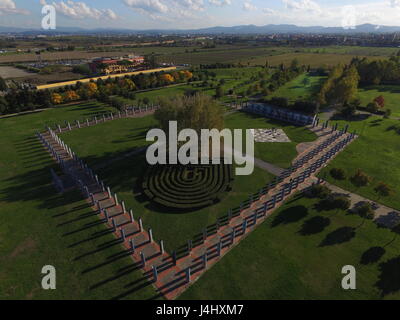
point(372, 255)
point(339, 236)
point(290, 215)
point(314, 225)
point(389, 277)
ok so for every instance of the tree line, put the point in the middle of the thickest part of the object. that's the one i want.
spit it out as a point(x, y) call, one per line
point(16, 100)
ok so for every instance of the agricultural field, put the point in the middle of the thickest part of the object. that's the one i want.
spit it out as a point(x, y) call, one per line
point(299, 252)
point(7, 72)
point(314, 60)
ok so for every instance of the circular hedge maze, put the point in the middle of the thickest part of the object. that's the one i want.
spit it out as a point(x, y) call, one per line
point(187, 187)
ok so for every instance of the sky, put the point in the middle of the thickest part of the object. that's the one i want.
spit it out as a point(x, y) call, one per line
point(193, 14)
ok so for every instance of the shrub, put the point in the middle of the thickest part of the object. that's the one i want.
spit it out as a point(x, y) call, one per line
point(341, 202)
point(373, 107)
point(319, 191)
point(338, 174)
point(366, 211)
point(335, 202)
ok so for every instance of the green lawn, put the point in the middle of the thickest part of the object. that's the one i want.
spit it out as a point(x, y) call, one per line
point(391, 94)
point(279, 154)
point(299, 252)
point(39, 227)
point(298, 89)
point(376, 152)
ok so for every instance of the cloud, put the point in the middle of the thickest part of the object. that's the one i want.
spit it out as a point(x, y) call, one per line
point(302, 5)
point(80, 10)
point(248, 6)
point(9, 7)
point(395, 3)
point(220, 3)
point(167, 10)
point(147, 6)
point(269, 12)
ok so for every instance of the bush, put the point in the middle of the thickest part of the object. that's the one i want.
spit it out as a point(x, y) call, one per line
point(338, 174)
point(280, 102)
point(341, 202)
point(319, 191)
point(373, 107)
point(335, 202)
point(366, 211)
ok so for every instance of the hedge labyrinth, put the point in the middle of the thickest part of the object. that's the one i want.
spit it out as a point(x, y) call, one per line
point(187, 187)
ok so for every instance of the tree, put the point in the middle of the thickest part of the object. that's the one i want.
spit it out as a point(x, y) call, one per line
point(373, 107)
point(319, 191)
point(360, 179)
point(380, 101)
point(219, 92)
point(342, 203)
point(338, 174)
point(195, 112)
point(341, 86)
point(383, 190)
point(306, 81)
point(56, 98)
point(366, 211)
point(3, 105)
point(3, 84)
point(71, 95)
point(348, 110)
point(166, 78)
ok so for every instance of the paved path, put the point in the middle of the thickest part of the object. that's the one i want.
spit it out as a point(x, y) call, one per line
point(384, 215)
point(276, 171)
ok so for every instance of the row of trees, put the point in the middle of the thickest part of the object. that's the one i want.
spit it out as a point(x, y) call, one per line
point(26, 100)
point(378, 71)
point(341, 86)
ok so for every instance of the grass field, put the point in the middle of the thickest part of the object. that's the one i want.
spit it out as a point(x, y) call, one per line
point(279, 154)
point(299, 89)
point(299, 252)
point(391, 94)
point(376, 152)
point(39, 227)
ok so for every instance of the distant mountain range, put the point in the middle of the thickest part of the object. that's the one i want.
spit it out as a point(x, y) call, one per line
point(244, 29)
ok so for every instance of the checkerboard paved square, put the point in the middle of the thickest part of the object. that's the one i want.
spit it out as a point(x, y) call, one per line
point(270, 135)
